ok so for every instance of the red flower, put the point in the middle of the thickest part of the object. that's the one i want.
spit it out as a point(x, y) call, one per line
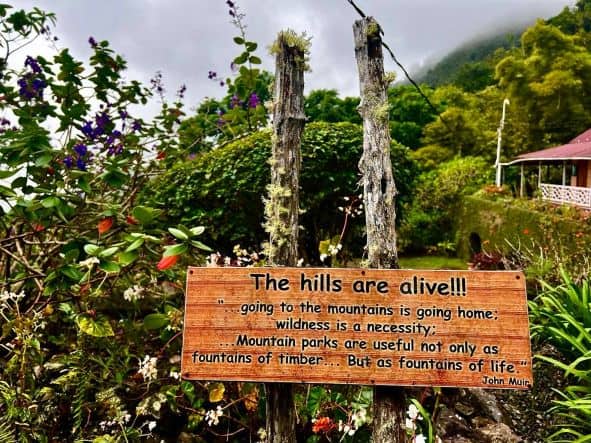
point(167, 262)
point(130, 220)
point(161, 155)
point(104, 225)
point(526, 231)
point(323, 424)
point(37, 227)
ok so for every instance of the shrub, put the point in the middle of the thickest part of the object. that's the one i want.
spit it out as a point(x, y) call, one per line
point(430, 219)
point(430, 157)
point(224, 187)
point(561, 315)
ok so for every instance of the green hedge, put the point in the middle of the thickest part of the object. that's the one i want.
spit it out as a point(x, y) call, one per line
point(224, 188)
point(547, 235)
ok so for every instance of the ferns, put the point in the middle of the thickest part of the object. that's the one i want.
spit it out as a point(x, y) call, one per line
point(7, 434)
point(6, 431)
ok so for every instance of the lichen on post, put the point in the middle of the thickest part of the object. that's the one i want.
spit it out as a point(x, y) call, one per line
point(282, 203)
point(379, 193)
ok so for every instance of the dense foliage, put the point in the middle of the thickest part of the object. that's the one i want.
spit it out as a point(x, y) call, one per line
point(431, 217)
point(224, 187)
point(101, 210)
point(90, 296)
point(561, 315)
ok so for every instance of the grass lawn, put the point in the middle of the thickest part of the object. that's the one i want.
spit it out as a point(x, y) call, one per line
point(432, 262)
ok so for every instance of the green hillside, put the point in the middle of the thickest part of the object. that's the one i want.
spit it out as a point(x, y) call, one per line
point(473, 59)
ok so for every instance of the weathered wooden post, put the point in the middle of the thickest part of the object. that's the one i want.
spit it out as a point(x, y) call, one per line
point(282, 205)
point(379, 192)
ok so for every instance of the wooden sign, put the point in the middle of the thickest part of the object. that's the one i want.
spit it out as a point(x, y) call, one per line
point(362, 326)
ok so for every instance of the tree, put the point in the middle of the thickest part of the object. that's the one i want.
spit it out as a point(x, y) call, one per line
point(549, 85)
point(325, 105)
point(409, 113)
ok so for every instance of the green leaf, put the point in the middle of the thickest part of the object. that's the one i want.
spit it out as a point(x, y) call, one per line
point(201, 246)
point(216, 392)
point(110, 266)
point(99, 327)
point(135, 245)
point(175, 250)
point(178, 234)
point(114, 178)
point(50, 202)
point(239, 40)
point(241, 59)
point(7, 191)
point(72, 273)
point(43, 160)
point(197, 230)
point(155, 321)
point(91, 249)
point(144, 214)
point(254, 60)
point(108, 252)
point(6, 174)
point(84, 184)
point(251, 46)
point(126, 258)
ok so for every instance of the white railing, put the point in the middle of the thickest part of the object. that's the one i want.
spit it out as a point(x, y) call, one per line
point(573, 195)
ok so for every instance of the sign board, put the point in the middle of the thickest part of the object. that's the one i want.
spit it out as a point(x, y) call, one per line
point(361, 326)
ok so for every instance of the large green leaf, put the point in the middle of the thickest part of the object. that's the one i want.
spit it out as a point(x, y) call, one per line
point(97, 327)
point(145, 215)
point(155, 321)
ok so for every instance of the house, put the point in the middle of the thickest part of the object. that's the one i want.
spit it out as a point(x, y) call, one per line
point(574, 159)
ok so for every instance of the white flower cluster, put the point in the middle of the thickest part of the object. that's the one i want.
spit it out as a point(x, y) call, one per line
point(262, 433)
point(148, 368)
point(134, 293)
point(333, 250)
point(89, 262)
point(6, 299)
point(121, 419)
point(356, 420)
point(7, 295)
point(212, 417)
point(413, 416)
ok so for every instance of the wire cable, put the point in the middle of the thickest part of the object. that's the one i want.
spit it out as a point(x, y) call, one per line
point(401, 66)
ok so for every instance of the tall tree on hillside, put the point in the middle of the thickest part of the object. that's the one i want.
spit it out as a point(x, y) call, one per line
point(549, 85)
point(409, 113)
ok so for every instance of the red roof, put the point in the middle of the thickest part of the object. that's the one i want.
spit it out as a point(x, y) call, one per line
point(579, 148)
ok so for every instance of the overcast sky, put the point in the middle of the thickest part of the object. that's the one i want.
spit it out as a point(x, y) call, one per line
point(186, 38)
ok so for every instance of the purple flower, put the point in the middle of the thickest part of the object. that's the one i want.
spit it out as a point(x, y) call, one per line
point(81, 149)
point(81, 164)
point(230, 3)
point(33, 64)
point(101, 120)
point(221, 122)
point(123, 114)
point(69, 162)
point(235, 101)
point(92, 42)
point(31, 87)
point(181, 91)
point(233, 67)
point(4, 122)
point(136, 126)
point(253, 100)
point(222, 83)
